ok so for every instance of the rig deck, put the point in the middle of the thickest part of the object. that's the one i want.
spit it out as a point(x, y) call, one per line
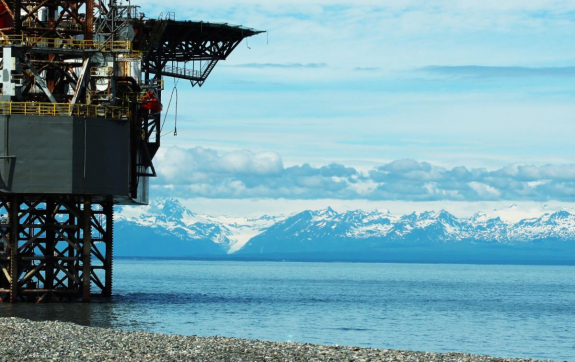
point(80, 109)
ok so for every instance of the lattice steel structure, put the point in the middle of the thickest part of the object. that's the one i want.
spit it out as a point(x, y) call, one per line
point(80, 106)
point(58, 247)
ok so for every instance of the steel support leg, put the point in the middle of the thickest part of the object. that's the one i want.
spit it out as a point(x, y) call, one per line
point(50, 254)
point(55, 248)
point(87, 251)
point(109, 241)
point(14, 221)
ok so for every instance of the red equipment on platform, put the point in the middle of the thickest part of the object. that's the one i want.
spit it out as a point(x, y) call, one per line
point(6, 20)
point(151, 103)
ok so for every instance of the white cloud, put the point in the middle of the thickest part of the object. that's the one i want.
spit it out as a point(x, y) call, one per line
point(485, 191)
point(201, 172)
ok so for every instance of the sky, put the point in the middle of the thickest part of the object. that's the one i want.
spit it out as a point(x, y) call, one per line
point(402, 105)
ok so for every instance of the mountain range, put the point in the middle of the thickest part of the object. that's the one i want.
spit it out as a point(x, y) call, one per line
point(165, 228)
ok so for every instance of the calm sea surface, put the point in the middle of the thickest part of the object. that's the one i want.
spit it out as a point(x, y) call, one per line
point(508, 311)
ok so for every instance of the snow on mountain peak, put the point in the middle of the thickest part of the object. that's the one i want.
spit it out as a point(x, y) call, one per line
point(328, 213)
point(169, 216)
point(385, 212)
point(480, 217)
point(439, 226)
point(170, 208)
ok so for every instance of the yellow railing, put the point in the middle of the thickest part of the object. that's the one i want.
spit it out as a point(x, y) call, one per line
point(62, 109)
point(59, 43)
point(132, 97)
point(133, 54)
point(128, 97)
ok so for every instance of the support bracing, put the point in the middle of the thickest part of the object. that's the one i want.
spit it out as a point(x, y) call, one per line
point(81, 86)
point(55, 248)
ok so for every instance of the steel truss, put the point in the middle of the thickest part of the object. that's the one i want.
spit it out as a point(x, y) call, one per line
point(55, 248)
point(61, 19)
point(197, 45)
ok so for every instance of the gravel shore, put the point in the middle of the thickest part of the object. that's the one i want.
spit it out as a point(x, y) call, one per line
point(24, 340)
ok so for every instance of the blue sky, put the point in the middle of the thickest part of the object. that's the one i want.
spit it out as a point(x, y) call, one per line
point(462, 105)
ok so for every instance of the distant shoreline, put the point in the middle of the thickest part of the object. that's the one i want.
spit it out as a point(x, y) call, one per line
point(28, 340)
point(311, 259)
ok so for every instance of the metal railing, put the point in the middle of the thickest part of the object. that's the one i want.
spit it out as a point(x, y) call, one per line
point(134, 97)
point(62, 109)
point(67, 26)
point(59, 43)
point(133, 54)
point(129, 97)
point(101, 71)
point(192, 73)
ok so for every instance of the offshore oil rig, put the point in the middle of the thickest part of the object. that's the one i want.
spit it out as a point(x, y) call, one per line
point(80, 119)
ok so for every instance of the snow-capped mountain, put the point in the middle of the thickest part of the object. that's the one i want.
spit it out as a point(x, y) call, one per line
point(166, 222)
point(166, 228)
point(327, 230)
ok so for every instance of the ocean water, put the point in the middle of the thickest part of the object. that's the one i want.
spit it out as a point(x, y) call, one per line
point(506, 311)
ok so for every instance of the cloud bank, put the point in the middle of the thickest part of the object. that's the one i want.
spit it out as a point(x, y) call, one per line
point(476, 71)
point(200, 172)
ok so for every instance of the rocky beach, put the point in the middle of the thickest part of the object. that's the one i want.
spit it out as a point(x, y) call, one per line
point(25, 340)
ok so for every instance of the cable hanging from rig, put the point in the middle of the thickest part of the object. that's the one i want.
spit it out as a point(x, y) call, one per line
point(174, 90)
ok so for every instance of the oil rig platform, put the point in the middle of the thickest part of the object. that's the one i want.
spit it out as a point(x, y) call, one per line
point(80, 119)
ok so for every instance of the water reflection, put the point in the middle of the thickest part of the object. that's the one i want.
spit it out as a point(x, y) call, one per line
point(104, 314)
point(83, 314)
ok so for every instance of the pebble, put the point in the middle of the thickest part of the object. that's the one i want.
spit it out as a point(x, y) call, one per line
point(24, 340)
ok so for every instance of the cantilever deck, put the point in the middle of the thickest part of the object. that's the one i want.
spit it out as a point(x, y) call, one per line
point(202, 44)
